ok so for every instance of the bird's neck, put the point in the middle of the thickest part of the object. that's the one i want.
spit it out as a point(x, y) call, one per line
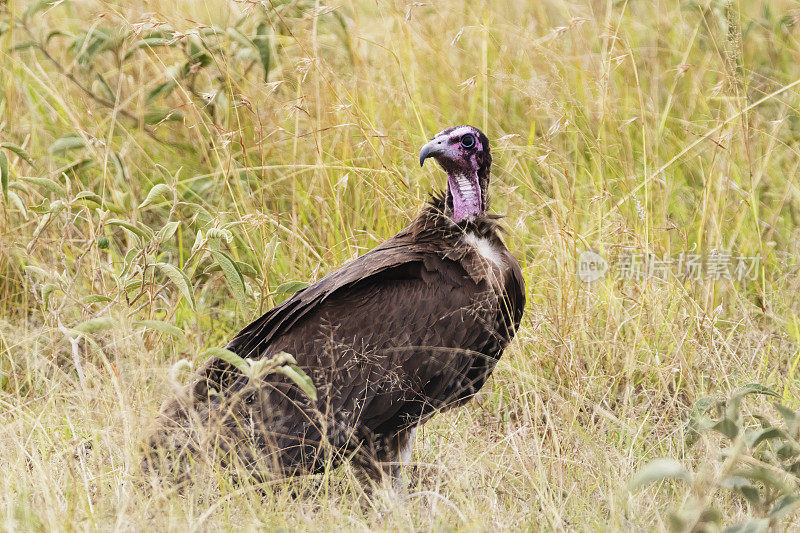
point(466, 194)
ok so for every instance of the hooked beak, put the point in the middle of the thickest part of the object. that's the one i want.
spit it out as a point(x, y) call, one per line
point(433, 148)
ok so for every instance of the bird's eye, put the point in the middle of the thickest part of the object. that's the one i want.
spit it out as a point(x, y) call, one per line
point(467, 140)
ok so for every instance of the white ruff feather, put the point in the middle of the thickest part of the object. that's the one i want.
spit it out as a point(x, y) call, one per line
point(485, 248)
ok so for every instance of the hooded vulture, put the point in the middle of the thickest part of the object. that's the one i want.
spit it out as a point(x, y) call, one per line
point(410, 329)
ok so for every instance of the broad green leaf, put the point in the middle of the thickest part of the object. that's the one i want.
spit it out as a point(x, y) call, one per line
point(89, 196)
point(199, 242)
point(229, 357)
point(789, 417)
point(282, 358)
point(751, 525)
point(291, 287)
point(162, 190)
point(47, 290)
point(19, 151)
point(23, 46)
point(160, 326)
point(219, 233)
point(165, 33)
point(64, 144)
point(133, 285)
point(96, 324)
point(704, 405)
point(246, 270)
point(57, 33)
point(75, 166)
point(710, 515)
point(56, 207)
point(43, 223)
point(763, 421)
point(112, 207)
point(158, 116)
point(296, 374)
point(754, 438)
point(45, 183)
point(201, 216)
point(211, 30)
point(179, 279)
point(658, 470)
point(151, 42)
point(4, 177)
point(147, 43)
point(784, 506)
point(269, 252)
point(727, 427)
point(99, 85)
point(732, 405)
point(768, 477)
point(122, 172)
point(233, 276)
point(166, 233)
point(31, 269)
point(142, 232)
point(97, 298)
point(162, 89)
point(281, 363)
point(197, 54)
point(677, 520)
point(98, 39)
point(743, 485)
point(17, 202)
point(787, 450)
point(128, 261)
point(240, 38)
point(262, 44)
point(35, 7)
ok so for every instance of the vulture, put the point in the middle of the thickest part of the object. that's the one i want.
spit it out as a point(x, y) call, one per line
point(412, 328)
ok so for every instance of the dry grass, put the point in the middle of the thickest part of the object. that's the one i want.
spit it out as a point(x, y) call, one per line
point(661, 126)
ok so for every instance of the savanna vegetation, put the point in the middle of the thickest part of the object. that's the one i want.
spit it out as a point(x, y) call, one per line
point(170, 170)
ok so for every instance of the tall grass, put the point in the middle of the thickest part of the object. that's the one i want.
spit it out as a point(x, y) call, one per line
point(174, 167)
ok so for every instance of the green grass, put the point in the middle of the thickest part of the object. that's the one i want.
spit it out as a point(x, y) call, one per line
point(662, 127)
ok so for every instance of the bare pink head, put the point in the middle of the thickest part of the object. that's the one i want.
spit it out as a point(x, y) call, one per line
point(463, 152)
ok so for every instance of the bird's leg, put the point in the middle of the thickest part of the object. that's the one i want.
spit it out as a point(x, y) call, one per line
point(405, 444)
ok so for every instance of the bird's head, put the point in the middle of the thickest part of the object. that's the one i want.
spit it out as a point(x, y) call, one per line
point(463, 152)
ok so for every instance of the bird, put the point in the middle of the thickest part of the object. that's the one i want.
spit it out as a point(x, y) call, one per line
point(412, 328)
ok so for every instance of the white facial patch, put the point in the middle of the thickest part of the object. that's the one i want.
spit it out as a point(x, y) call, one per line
point(485, 248)
point(461, 130)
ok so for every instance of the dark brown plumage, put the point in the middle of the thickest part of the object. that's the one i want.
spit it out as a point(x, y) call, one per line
point(411, 328)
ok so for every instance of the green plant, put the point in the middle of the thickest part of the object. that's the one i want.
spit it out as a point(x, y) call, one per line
point(760, 464)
